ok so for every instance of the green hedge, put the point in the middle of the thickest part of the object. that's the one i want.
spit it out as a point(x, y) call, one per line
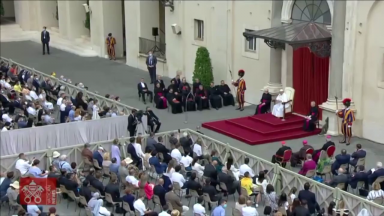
point(203, 67)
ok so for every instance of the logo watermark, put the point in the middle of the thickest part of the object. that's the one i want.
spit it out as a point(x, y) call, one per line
point(38, 191)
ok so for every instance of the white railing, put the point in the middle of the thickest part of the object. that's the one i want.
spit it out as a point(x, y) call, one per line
point(283, 179)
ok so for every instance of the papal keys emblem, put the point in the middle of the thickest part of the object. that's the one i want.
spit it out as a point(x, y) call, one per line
point(32, 191)
point(38, 191)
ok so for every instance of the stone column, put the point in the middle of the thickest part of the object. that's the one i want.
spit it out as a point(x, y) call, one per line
point(336, 67)
point(274, 84)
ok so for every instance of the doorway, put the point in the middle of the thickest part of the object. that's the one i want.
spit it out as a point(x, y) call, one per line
point(7, 12)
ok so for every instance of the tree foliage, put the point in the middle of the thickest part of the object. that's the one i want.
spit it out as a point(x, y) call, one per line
point(87, 22)
point(203, 67)
point(1, 8)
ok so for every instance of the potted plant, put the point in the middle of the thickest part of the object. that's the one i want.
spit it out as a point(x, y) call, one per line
point(203, 67)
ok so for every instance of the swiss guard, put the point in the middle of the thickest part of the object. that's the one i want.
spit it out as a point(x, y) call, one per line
point(241, 87)
point(348, 118)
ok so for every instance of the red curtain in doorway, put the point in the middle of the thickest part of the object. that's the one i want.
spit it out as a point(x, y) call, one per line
point(310, 80)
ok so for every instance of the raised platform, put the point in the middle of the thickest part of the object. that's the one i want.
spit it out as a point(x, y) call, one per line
point(261, 129)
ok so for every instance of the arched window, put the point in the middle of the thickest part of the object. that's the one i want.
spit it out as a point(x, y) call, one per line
point(311, 11)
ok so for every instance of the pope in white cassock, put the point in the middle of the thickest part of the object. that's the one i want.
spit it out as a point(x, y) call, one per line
point(278, 108)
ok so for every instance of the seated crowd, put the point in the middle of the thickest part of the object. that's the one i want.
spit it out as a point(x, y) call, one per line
point(185, 168)
point(182, 97)
point(344, 169)
point(25, 101)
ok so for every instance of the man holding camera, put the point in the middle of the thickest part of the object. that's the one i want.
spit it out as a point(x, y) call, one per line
point(153, 120)
point(132, 122)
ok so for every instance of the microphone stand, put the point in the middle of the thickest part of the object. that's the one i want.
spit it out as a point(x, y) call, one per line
point(186, 107)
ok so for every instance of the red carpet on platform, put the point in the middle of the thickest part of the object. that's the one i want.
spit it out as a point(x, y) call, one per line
point(260, 129)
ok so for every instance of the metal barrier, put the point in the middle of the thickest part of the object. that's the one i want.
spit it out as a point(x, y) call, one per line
point(73, 90)
point(281, 178)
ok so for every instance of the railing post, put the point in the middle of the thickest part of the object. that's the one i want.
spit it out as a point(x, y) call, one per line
point(49, 156)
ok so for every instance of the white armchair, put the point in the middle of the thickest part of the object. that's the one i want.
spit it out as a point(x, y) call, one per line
point(290, 92)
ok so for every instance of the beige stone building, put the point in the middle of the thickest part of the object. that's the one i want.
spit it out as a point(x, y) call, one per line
point(356, 65)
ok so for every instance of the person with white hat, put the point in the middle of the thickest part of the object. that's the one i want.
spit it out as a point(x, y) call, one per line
point(13, 191)
point(55, 159)
point(98, 155)
point(281, 102)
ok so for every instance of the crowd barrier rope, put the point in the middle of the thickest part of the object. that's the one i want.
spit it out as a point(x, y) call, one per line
point(282, 179)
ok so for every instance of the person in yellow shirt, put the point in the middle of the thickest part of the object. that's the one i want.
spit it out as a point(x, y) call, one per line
point(247, 183)
point(17, 87)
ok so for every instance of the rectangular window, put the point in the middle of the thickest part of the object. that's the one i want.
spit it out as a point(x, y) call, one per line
point(199, 29)
point(250, 43)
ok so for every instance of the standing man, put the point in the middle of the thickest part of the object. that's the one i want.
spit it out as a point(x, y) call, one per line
point(151, 64)
point(111, 42)
point(132, 123)
point(240, 84)
point(348, 118)
point(45, 38)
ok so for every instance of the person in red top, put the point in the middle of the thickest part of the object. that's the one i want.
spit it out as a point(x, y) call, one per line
point(145, 185)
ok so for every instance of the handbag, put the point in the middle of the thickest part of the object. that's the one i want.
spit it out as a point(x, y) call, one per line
point(267, 210)
point(363, 192)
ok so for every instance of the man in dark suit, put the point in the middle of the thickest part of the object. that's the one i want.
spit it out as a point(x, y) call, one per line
point(177, 79)
point(160, 191)
point(36, 83)
point(359, 176)
point(98, 155)
point(132, 123)
point(132, 151)
point(359, 153)
point(160, 148)
point(72, 183)
point(211, 191)
point(94, 182)
point(142, 87)
point(155, 161)
point(161, 82)
point(192, 184)
point(85, 191)
point(230, 182)
point(45, 38)
point(153, 120)
point(280, 153)
point(310, 197)
point(340, 159)
point(338, 179)
point(151, 65)
point(113, 189)
point(186, 143)
point(211, 172)
point(379, 172)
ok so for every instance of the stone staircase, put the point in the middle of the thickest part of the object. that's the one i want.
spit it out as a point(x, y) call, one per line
point(81, 46)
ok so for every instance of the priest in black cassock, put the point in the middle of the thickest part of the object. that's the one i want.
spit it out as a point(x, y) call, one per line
point(176, 80)
point(196, 85)
point(173, 86)
point(214, 96)
point(201, 98)
point(187, 95)
point(160, 97)
point(225, 93)
point(174, 102)
point(311, 119)
point(265, 103)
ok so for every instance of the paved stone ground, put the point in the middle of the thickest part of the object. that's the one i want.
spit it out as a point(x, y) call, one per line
point(119, 79)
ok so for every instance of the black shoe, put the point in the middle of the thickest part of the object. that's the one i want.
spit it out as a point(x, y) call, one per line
point(238, 108)
point(242, 109)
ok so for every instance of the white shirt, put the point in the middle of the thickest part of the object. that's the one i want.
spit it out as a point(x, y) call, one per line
point(177, 177)
point(4, 129)
point(375, 194)
point(138, 149)
point(164, 213)
point(6, 118)
point(132, 180)
point(197, 149)
point(62, 107)
point(5, 84)
point(31, 110)
point(186, 160)
point(198, 209)
point(245, 168)
point(293, 196)
point(23, 166)
point(140, 206)
point(33, 209)
point(176, 154)
point(249, 211)
point(33, 95)
point(263, 184)
point(142, 85)
point(59, 101)
point(169, 174)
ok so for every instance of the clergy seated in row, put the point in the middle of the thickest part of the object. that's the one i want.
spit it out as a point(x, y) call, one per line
point(142, 87)
point(174, 101)
point(160, 81)
point(281, 101)
point(279, 155)
point(265, 103)
point(225, 93)
point(188, 100)
point(311, 119)
point(214, 96)
point(195, 86)
point(201, 98)
point(160, 97)
point(174, 87)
